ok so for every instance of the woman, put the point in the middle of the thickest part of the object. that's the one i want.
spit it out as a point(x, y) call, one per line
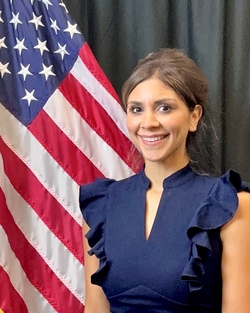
point(167, 239)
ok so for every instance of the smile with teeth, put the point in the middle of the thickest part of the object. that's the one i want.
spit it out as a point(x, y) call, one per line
point(152, 139)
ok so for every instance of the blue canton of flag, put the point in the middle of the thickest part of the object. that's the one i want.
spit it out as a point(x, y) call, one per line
point(34, 58)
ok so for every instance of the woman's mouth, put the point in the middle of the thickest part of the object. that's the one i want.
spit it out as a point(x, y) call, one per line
point(153, 139)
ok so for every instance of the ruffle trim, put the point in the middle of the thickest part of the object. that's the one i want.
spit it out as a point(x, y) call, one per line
point(93, 199)
point(217, 210)
point(96, 241)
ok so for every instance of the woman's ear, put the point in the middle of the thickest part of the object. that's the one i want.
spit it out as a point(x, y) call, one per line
point(195, 117)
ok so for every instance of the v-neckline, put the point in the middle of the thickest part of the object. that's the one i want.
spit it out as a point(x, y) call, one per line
point(176, 179)
point(147, 238)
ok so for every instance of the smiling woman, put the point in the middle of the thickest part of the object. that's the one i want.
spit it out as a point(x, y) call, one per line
point(167, 240)
point(185, 82)
point(159, 121)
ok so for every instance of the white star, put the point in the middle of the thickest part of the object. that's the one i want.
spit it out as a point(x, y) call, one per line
point(47, 71)
point(64, 6)
point(24, 71)
point(15, 20)
point(62, 50)
point(72, 29)
point(1, 20)
point(20, 45)
point(4, 69)
point(32, 1)
point(36, 21)
point(2, 44)
point(47, 3)
point(41, 45)
point(29, 96)
point(54, 25)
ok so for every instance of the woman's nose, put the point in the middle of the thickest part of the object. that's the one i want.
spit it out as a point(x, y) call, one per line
point(149, 120)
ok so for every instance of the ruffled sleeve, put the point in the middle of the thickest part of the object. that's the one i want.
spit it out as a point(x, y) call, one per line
point(219, 207)
point(93, 200)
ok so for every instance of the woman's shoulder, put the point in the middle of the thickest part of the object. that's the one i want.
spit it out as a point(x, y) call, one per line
point(229, 189)
point(226, 193)
point(93, 196)
point(228, 197)
point(101, 186)
point(230, 182)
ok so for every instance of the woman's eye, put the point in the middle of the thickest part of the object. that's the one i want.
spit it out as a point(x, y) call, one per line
point(135, 109)
point(164, 108)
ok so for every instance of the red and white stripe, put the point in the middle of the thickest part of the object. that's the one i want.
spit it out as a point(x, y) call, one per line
point(79, 135)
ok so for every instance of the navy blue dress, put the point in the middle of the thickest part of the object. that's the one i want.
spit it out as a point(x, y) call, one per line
point(178, 268)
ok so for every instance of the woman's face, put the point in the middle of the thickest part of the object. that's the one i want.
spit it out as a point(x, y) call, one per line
point(158, 121)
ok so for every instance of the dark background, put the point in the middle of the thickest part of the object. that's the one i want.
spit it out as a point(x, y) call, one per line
point(214, 33)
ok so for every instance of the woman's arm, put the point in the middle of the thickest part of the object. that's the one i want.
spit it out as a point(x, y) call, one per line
point(95, 299)
point(235, 237)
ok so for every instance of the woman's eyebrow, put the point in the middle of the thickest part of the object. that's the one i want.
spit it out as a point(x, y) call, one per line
point(135, 102)
point(156, 102)
point(165, 100)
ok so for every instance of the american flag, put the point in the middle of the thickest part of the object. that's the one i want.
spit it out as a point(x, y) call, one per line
point(61, 125)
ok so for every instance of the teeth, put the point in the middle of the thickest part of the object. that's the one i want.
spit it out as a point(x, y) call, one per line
point(152, 139)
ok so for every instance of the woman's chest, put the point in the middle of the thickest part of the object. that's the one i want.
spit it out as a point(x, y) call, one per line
point(126, 220)
point(158, 261)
